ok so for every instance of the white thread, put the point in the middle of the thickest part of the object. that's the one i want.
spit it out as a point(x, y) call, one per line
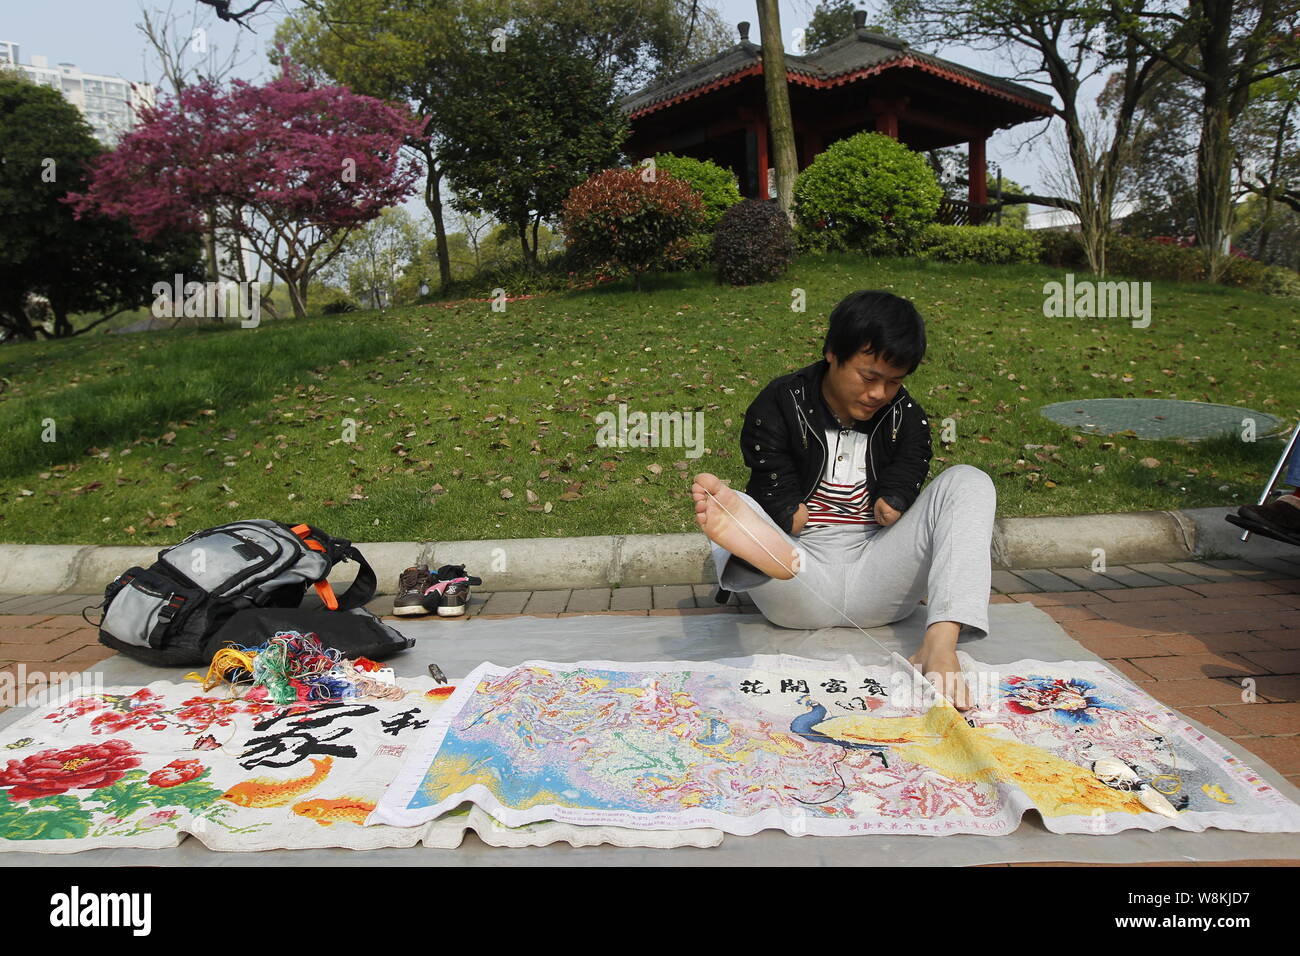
point(910, 666)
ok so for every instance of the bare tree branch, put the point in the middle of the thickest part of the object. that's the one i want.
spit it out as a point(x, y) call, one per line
point(100, 321)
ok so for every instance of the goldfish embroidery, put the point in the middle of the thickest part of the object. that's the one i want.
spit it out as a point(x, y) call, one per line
point(262, 792)
point(329, 812)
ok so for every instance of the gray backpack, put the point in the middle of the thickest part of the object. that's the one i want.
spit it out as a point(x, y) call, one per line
point(164, 614)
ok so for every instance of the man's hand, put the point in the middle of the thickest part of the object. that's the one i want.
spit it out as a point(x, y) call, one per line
point(800, 519)
point(886, 513)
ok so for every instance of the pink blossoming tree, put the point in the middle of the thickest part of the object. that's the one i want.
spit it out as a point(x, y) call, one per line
point(291, 167)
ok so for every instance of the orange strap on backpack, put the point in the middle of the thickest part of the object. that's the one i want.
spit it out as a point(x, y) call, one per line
point(322, 586)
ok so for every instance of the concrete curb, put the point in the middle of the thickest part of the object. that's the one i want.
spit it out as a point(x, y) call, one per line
point(538, 564)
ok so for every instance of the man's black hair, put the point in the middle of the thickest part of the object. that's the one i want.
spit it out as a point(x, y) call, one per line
point(889, 324)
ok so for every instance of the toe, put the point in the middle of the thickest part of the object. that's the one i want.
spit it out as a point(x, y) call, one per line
point(956, 692)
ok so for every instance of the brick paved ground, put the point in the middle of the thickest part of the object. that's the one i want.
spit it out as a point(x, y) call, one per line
point(1188, 633)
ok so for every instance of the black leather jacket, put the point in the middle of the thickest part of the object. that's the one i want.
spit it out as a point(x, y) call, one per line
point(783, 442)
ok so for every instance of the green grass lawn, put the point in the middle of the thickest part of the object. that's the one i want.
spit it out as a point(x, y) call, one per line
point(476, 424)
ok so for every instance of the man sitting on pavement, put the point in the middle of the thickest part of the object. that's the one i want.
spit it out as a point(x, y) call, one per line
point(834, 528)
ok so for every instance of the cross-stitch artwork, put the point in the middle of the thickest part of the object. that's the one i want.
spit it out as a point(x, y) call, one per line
point(145, 766)
point(815, 748)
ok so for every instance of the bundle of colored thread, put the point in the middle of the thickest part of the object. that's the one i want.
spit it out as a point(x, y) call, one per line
point(366, 685)
point(293, 667)
point(226, 660)
point(290, 660)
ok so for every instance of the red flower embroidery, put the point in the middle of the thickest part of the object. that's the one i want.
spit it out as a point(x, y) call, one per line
point(84, 767)
point(74, 709)
point(176, 772)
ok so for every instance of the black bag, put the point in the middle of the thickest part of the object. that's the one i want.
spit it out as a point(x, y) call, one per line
point(357, 632)
point(164, 614)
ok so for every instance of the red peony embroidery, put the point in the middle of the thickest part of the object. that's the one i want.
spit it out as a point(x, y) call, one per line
point(84, 767)
point(176, 772)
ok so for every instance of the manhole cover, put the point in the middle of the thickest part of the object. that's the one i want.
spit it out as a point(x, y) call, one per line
point(1155, 418)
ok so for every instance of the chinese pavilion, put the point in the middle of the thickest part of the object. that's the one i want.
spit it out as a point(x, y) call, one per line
point(717, 110)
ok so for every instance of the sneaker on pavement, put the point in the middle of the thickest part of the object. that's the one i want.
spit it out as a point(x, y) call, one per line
point(411, 585)
point(448, 593)
point(450, 572)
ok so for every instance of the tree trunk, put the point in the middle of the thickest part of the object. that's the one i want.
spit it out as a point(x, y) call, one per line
point(62, 327)
point(1223, 96)
point(239, 258)
point(14, 319)
point(523, 242)
point(779, 120)
point(1214, 185)
point(210, 245)
point(1093, 209)
point(1266, 227)
point(433, 202)
point(297, 296)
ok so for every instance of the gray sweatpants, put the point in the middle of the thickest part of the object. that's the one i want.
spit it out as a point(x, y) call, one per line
point(939, 549)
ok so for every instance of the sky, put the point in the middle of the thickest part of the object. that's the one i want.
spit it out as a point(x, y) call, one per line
point(100, 36)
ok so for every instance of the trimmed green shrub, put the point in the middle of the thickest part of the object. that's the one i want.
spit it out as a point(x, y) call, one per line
point(870, 191)
point(1141, 258)
point(325, 299)
point(554, 275)
point(1061, 249)
point(811, 240)
point(753, 243)
point(1261, 277)
point(1148, 259)
point(718, 187)
point(689, 253)
point(996, 245)
point(618, 217)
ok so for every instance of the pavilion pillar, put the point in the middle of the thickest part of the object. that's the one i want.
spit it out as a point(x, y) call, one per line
point(886, 110)
point(977, 191)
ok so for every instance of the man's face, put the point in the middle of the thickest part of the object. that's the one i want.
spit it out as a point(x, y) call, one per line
point(863, 384)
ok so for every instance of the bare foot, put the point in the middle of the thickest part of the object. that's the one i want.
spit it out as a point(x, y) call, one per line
point(730, 530)
point(942, 669)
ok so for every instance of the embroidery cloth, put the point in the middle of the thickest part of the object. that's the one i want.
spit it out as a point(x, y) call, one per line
point(811, 747)
point(144, 766)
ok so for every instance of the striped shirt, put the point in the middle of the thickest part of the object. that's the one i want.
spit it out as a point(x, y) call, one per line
point(841, 495)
